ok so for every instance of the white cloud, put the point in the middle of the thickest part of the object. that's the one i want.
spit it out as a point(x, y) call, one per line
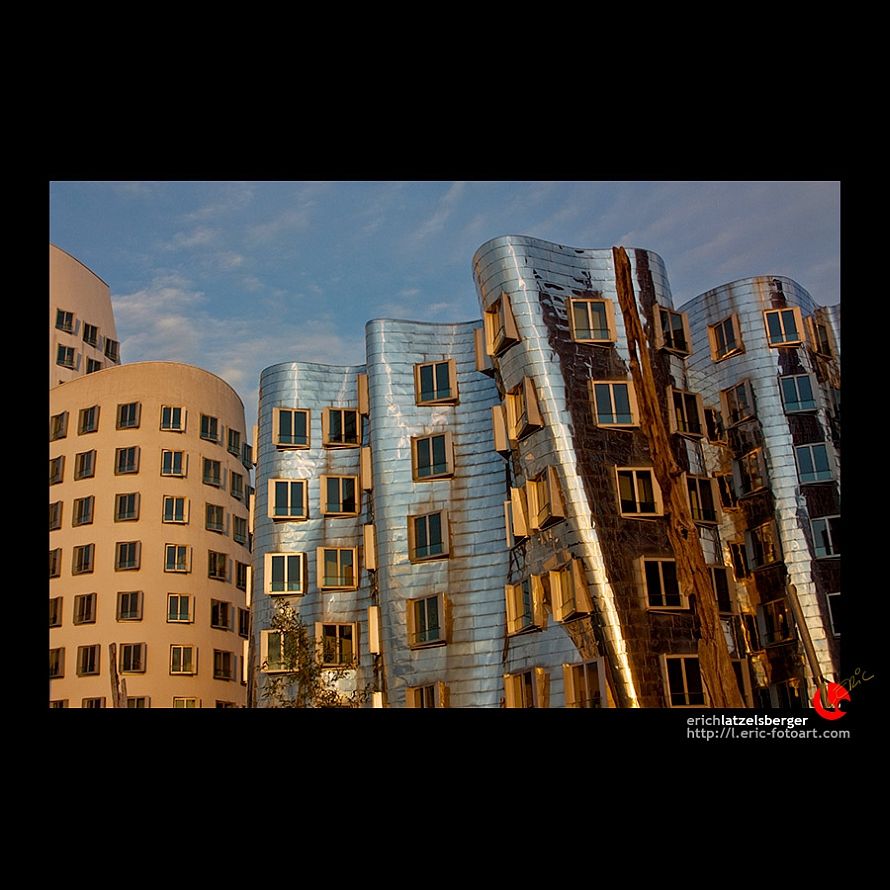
point(233, 196)
point(444, 209)
point(202, 236)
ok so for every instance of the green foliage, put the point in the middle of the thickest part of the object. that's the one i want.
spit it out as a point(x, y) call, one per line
point(299, 679)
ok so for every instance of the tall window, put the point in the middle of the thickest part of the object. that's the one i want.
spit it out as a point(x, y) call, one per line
point(112, 349)
point(88, 659)
point(726, 338)
point(425, 621)
point(234, 445)
point(58, 426)
point(436, 382)
point(237, 485)
point(337, 567)
point(638, 492)
point(762, 545)
point(223, 665)
point(239, 530)
point(784, 327)
point(90, 334)
point(173, 418)
point(222, 615)
point(55, 515)
point(291, 427)
point(592, 320)
point(688, 416)
point(614, 403)
point(341, 427)
point(288, 499)
point(683, 681)
point(55, 611)
point(672, 330)
point(56, 663)
point(57, 468)
point(83, 559)
point(500, 326)
point(85, 608)
point(209, 428)
point(702, 499)
point(83, 511)
point(278, 651)
point(750, 473)
point(661, 585)
point(128, 415)
point(217, 565)
point(428, 536)
point(525, 605)
point(55, 562)
point(569, 596)
point(84, 465)
point(523, 411)
point(339, 495)
point(212, 473)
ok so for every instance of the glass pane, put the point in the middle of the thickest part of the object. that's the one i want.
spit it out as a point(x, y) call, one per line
point(350, 426)
point(646, 493)
point(622, 403)
point(626, 493)
point(346, 648)
point(695, 694)
point(774, 324)
point(671, 586)
point(294, 572)
point(443, 388)
point(424, 458)
point(285, 427)
point(348, 493)
point(278, 563)
point(427, 387)
point(582, 326)
point(789, 323)
point(273, 650)
point(434, 522)
point(653, 583)
point(603, 398)
point(439, 461)
point(331, 568)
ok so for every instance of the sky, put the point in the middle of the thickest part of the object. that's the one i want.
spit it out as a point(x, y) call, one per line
point(236, 276)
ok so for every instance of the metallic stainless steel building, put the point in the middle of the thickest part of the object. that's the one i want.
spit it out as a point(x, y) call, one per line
point(768, 358)
point(492, 490)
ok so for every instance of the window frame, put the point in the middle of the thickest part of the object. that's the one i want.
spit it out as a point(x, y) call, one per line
point(85, 609)
point(273, 502)
point(93, 365)
point(501, 331)
point(176, 517)
point(119, 515)
point(413, 606)
point(96, 701)
point(614, 423)
point(775, 623)
point(569, 593)
point(324, 582)
point(138, 656)
point(666, 343)
point(181, 598)
point(129, 415)
point(733, 416)
point(444, 536)
point(90, 334)
point(718, 353)
point(57, 663)
point(818, 476)
point(453, 397)
point(678, 402)
point(112, 350)
point(327, 441)
point(669, 691)
point(276, 427)
point(210, 431)
point(835, 621)
point(182, 648)
point(222, 615)
point(830, 532)
point(119, 564)
point(325, 504)
point(84, 464)
point(700, 514)
point(83, 559)
point(83, 510)
point(223, 665)
point(797, 321)
point(58, 426)
point(533, 692)
point(322, 650)
point(546, 505)
point(656, 493)
point(750, 473)
point(448, 445)
point(217, 480)
point(57, 469)
point(66, 321)
point(177, 458)
point(269, 561)
point(129, 468)
point(658, 600)
point(56, 607)
point(215, 559)
point(525, 603)
point(186, 701)
point(88, 416)
point(430, 695)
point(240, 533)
point(756, 538)
point(55, 562)
point(67, 356)
point(89, 660)
point(170, 426)
point(233, 435)
point(572, 692)
point(237, 488)
point(801, 405)
point(523, 410)
point(819, 345)
point(179, 567)
point(55, 515)
point(611, 329)
point(131, 612)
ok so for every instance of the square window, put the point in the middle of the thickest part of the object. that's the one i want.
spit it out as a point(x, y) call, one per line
point(797, 393)
point(738, 403)
point(55, 611)
point(237, 485)
point(702, 497)
point(523, 410)
point(433, 456)
point(82, 513)
point(638, 493)
point(112, 350)
point(93, 365)
point(687, 416)
point(434, 695)
point(65, 321)
point(179, 608)
point(221, 615)
point(127, 555)
point(660, 584)
point(88, 658)
point(341, 428)
point(284, 573)
point(290, 427)
point(338, 644)
point(138, 701)
point(176, 558)
point(82, 562)
point(90, 334)
point(525, 605)
point(58, 426)
point(126, 506)
point(592, 321)
point(234, 446)
point(213, 473)
point(672, 331)
point(425, 621)
point(176, 509)
point(55, 562)
point(88, 421)
point(182, 702)
point(85, 608)
point(210, 428)
point(435, 383)
point(725, 338)
point(337, 568)
point(614, 403)
point(128, 415)
point(239, 530)
point(428, 536)
point(126, 460)
point(66, 357)
point(57, 469)
point(288, 499)
point(813, 463)
point(56, 663)
point(278, 651)
point(585, 685)
point(129, 605)
point(217, 565)
point(826, 536)
point(242, 570)
point(339, 495)
point(84, 465)
point(132, 658)
point(183, 660)
point(683, 681)
point(223, 665)
point(500, 326)
point(173, 418)
point(173, 463)
point(569, 595)
point(784, 327)
point(527, 689)
point(55, 515)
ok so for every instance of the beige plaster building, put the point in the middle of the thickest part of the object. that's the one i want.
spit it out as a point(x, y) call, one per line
point(149, 542)
point(82, 334)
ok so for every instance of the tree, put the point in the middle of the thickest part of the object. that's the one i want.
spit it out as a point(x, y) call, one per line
point(299, 679)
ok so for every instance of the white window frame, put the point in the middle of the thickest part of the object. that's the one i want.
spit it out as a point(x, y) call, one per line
point(181, 649)
point(181, 598)
point(171, 426)
point(186, 701)
point(169, 465)
point(179, 567)
point(293, 564)
point(175, 517)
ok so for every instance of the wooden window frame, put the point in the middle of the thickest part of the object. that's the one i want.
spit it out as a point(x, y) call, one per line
point(445, 536)
point(442, 614)
point(326, 428)
point(611, 328)
point(276, 428)
point(631, 398)
point(798, 323)
point(290, 516)
point(268, 560)
point(569, 593)
point(737, 349)
point(663, 605)
point(453, 398)
point(669, 694)
point(515, 688)
point(357, 496)
point(656, 493)
point(523, 410)
point(321, 579)
point(449, 456)
point(515, 606)
point(686, 429)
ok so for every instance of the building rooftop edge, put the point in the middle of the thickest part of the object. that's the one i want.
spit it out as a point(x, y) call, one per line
point(82, 263)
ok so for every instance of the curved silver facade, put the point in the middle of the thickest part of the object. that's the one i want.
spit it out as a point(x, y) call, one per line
point(776, 433)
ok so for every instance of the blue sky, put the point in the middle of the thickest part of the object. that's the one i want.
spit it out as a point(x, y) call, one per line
point(236, 276)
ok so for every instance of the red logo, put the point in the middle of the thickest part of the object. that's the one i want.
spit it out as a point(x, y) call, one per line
point(835, 694)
